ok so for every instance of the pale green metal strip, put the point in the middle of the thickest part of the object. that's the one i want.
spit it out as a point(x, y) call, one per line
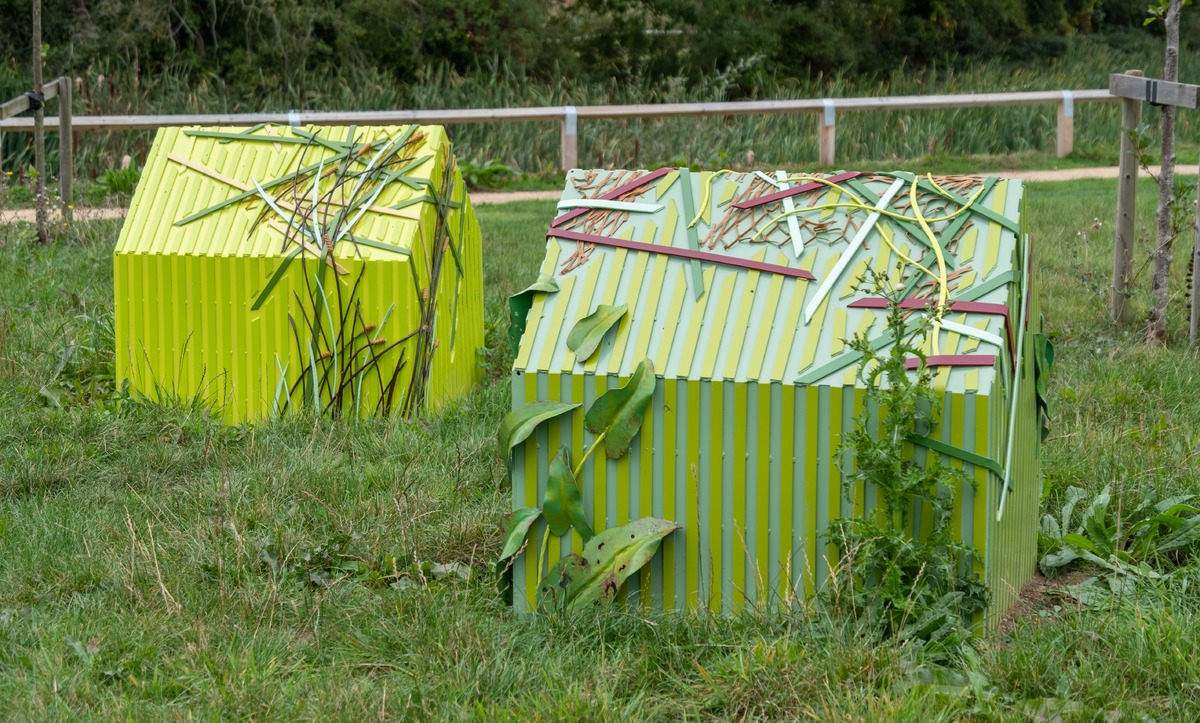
point(657, 485)
point(824, 460)
point(681, 452)
point(518, 499)
point(693, 238)
point(747, 547)
point(776, 546)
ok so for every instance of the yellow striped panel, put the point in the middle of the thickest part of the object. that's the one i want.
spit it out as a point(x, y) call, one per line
point(812, 408)
point(791, 323)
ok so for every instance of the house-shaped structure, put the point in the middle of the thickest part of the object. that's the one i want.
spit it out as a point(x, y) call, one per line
point(743, 289)
point(272, 268)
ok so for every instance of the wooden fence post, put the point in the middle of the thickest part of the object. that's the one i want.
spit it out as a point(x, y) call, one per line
point(1194, 330)
point(66, 148)
point(1066, 124)
point(1131, 116)
point(826, 134)
point(570, 138)
point(39, 132)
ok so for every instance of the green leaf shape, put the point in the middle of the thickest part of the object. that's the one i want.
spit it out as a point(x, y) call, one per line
point(583, 580)
point(563, 503)
point(514, 527)
point(520, 422)
point(588, 332)
point(521, 302)
point(618, 413)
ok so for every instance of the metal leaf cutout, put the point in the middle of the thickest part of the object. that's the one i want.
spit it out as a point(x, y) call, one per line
point(520, 423)
point(582, 580)
point(563, 503)
point(589, 331)
point(521, 302)
point(514, 527)
point(618, 413)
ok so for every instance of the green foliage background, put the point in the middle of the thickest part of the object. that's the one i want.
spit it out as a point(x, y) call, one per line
point(265, 45)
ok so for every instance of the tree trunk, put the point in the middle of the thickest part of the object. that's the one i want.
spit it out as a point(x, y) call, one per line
point(1156, 331)
point(39, 132)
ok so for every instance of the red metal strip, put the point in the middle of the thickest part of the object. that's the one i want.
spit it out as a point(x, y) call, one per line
point(802, 188)
point(969, 307)
point(685, 253)
point(953, 360)
point(613, 194)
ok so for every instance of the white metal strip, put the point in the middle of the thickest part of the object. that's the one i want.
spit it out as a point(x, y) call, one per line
point(610, 205)
point(789, 205)
point(848, 255)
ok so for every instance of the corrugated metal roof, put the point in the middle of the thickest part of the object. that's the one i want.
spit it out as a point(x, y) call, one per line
point(193, 169)
point(724, 298)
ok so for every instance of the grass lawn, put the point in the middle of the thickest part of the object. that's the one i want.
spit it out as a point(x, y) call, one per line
point(155, 564)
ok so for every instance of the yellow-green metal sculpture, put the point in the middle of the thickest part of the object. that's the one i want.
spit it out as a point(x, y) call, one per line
point(269, 269)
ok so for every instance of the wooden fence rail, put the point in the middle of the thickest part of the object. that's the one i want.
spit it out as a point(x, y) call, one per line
point(569, 117)
point(58, 88)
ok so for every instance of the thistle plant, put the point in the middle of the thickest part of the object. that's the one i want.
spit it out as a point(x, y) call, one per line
point(911, 583)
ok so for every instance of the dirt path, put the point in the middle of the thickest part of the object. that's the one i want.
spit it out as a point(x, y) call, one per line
point(484, 198)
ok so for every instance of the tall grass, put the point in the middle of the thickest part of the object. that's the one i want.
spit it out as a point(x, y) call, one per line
point(120, 88)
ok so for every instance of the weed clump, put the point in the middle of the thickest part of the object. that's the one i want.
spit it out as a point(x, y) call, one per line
point(909, 584)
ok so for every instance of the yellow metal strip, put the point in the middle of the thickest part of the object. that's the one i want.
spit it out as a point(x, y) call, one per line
point(555, 323)
point(763, 334)
point(838, 342)
point(740, 324)
point(686, 358)
point(586, 304)
point(813, 332)
point(665, 184)
point(650, 313)
point(609, 295)
point(789, 332)
point(625, 325)
point(667, 338)
point(534, 319)
point(713, 344)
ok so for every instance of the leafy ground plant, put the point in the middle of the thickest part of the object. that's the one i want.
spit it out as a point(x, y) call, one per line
point(908, 586)
point(1133, 552)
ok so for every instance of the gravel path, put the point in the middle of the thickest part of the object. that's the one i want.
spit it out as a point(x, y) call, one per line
point(484, 198)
